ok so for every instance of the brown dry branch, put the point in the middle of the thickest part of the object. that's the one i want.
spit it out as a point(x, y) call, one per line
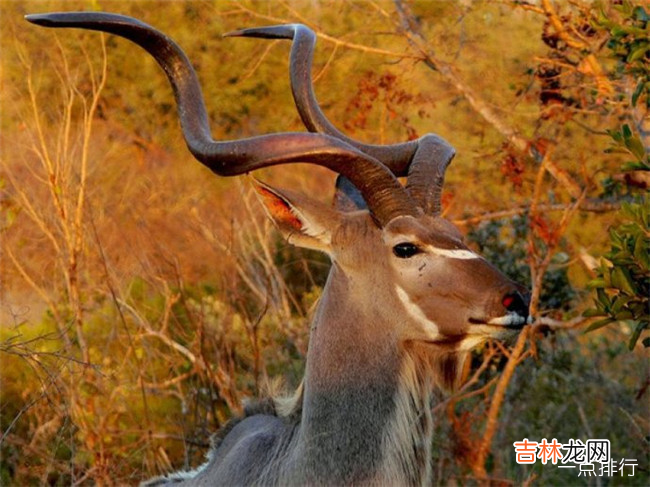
point(253, 69)
point(538, 269)
point(409, 27)
point(484, 445)
point(550, 236)
point(109, 283)
point(242, 9)
point(589, 65)
point(186, 345)
point(52, 381)
point(593, 206)
point(552, 324)
point(193, 353)
point(64, 173)
point(466, 389)
point(549, 10)
point(61, 150)
point(253, 257)
point(483, 390)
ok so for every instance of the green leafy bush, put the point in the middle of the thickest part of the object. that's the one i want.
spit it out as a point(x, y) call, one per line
point(629, 43)
point(623, 279)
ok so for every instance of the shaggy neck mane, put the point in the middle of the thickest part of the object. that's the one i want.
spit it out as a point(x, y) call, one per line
point(362, 415)
point(407, 440)
point(407, 436)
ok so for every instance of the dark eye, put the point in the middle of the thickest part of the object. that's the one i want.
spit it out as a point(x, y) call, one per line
point(406, 250)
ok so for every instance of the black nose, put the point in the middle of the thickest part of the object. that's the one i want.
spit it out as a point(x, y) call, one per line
point(517, 303)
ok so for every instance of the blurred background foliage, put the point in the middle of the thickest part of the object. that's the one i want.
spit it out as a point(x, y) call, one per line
point(142, 299)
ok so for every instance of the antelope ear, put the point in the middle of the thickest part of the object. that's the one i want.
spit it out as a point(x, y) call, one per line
point(304, 222)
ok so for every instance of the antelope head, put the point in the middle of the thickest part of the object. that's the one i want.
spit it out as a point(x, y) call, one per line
point(380, 231)
point(448, 296)
point(401, 279)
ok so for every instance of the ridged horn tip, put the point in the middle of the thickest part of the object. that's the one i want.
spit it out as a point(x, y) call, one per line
point(234, 33)
point(46, 20)
point(282, 31)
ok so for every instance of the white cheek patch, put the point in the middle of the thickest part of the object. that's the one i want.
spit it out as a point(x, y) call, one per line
point(462, 254)
point(471, 342)
point(415, 312)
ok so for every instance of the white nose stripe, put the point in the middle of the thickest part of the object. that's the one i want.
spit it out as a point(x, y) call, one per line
point(462, 254)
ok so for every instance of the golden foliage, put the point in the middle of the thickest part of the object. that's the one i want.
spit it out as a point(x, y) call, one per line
point(144, 299)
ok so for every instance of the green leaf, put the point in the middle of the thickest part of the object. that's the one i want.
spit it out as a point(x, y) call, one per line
point(603, 19)
point(616, 306)
point(603, 299)
point(627, 131)
point(615, 237)
point(599, 324)
point(635, 166)
point(623, 315)
point(593, 312)
point(622, 280)
point(641, 253)
point(635, 146)
point(638, 52)
point(637, 92)
point(596, 283)
point(616, 135)
point(640, 14)
point(636, 334)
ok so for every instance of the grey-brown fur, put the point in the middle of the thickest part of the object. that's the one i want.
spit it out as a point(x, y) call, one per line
point(404, 301)
point(365, 415)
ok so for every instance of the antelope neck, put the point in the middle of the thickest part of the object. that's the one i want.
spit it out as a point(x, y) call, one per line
point(353, 418)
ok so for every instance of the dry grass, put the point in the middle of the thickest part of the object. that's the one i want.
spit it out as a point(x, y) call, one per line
point(142, 299)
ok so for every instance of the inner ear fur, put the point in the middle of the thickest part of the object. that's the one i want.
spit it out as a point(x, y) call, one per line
point(303, 221)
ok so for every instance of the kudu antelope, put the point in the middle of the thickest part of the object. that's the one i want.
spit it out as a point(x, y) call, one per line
point(404, 302)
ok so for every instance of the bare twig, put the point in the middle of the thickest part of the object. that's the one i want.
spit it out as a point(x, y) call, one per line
point(333, 40)
point(410, 29)
point(593, 206)
point(483, 448)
